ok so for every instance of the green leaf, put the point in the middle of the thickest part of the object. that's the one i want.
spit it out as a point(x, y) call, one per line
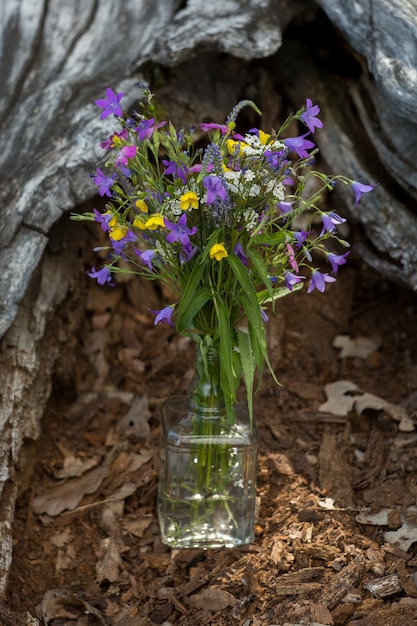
point(189, 295)
point(266, 296)
point(201, 296)
point(246, 359)
point(261, 268)
point(227, 372)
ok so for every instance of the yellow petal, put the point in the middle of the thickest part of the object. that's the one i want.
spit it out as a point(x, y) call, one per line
point(218, 252)
point(263, 137)
point(189, 200)
point(153, 222)
point(142, 206)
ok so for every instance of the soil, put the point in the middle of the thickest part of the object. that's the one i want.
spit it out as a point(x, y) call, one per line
point(336, 532)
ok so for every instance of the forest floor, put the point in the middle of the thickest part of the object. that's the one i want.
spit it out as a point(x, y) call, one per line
point(336, 533)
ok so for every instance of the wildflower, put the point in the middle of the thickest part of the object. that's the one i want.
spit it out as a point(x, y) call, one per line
point(238, 251)
point(292, 279)
point(110, 104)
point(301, 236)
point(285, 206)
point(103, 182)
point(142, 206)
point(264, 316)
point(126, 153)
point(146, 256)
point(205, 127)
point(337, 259)
point(330, 221)
point(153, 222)
point(103, 276)
point(103, 219)
point(178, 170)
point(218, 252)
point(300, 145)
point(319, 280)
point(309, 116)
point(359, 189)
point(114, 140)
point(163, 316)
point(179, 231)
point(187, 253)
point(145, 128)
point(189, 200)
point(235, 148)
point(118, 232)
point(291, 257)
point(215, 188)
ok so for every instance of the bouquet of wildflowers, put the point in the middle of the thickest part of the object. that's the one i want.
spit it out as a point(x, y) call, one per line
point(217, 224)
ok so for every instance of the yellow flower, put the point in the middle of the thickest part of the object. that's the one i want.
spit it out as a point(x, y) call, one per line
point(142, 206)
point(138, 223)
point(154, 221)
point(189, 200)
point(116, 141)
point(263, 137)
point(118, 232)
point(218, 252)
point(233, 146)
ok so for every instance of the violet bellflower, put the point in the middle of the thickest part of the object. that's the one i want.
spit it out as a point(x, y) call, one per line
point(103, 219)
point(179, 231)
point(300, 145)
point(216, 188)
point(163, 316)
point(292, 279)
point(103, 276)
point(319, 280)
point(110, 104)
point(239, 252)
point(103, 182)
point(146, 256)
point(330, 221)
point(177, 170)
point(309, 116)
point(359, 189)
point(337, 259)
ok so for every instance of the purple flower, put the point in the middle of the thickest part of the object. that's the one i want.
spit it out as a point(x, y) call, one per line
point(319, 280)
point(337, 259)
point(179, 231)
point(300, 145)
point(309, 116)
point(103, 276)
point(264, 316)
point(292, 279)
point(146, 256)
point(103, 182)
point(178, 170)
point(110, 104)
point(210, 126)
point(215, 188)
point(330, 221)
point(187, 253)
point(145, 128)
point(301, 236)
point(359, 189)
point(103, 219)
point(108, 144)
point(285, 206)
point(126, 153)
point(163, 316)
point(275, 160)
point(238, 251)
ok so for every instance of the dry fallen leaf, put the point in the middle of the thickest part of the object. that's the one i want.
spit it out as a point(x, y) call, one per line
point(68, 495)
point(360, 347)
point(212, 599)
point(344, 396)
